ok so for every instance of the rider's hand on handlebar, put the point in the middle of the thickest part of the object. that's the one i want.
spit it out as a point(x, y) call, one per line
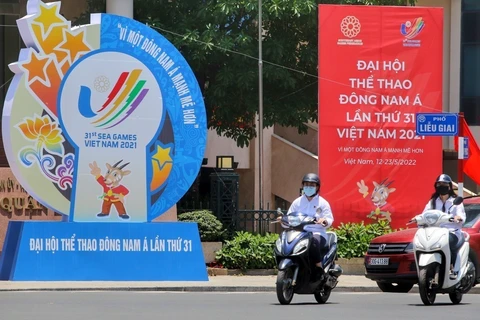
point(456, 219)
point(413, 220)
point(322, 221)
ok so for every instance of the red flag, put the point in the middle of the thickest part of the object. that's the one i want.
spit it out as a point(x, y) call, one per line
point(471, 166)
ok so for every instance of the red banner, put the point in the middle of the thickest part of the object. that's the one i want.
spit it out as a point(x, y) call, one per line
point(378, 67)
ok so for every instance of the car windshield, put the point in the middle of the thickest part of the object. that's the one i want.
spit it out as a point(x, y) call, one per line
point(472, 211)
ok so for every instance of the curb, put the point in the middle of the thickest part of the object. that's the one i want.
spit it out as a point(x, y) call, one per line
point(151, 289)
point(258, 288)
point(238, 272)
point(475, 290)
point(183, 289)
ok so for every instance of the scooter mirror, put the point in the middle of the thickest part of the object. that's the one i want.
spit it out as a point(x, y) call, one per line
point(458, 200)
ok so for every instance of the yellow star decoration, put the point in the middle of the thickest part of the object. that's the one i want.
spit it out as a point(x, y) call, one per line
point(36, 67)
point(162, 156)
point(49, 16)
point(49, 44)
point(74, 44)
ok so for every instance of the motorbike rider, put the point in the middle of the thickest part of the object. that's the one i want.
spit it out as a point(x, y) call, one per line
point(312, 204)
point(442, 199)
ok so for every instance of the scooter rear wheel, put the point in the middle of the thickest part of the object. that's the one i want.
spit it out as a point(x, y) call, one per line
point(456, 297)
point(284, 286)
point(322, 296)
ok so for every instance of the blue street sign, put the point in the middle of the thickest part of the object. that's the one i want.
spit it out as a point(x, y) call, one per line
point(436, 124)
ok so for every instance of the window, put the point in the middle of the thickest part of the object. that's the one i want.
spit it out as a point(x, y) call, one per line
point(9, 50)
point(281, 203)
point(470, 62)
point(471, 5)
point(3, 63)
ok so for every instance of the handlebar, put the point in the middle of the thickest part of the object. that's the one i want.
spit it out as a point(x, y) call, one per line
point(313, 221)
point(413, 220)
point(324, 223)
point(410, 222)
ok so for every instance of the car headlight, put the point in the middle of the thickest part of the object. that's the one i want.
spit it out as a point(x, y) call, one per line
point(301, 245)
point(409, 248)
point(278, 244)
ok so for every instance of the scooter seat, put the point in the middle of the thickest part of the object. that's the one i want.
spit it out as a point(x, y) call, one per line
point(330, 239)
point(460, 242)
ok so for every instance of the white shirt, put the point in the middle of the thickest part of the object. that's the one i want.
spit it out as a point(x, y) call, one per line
point(454, 211)
point(318, 207)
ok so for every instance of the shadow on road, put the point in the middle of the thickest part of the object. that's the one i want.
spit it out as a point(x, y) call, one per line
point(439, 304)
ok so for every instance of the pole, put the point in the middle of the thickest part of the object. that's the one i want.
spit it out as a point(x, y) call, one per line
point(461, 153)
point(120, 7)
point(260, 107)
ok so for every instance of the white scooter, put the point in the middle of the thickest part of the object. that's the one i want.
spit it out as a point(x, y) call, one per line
point(432, 256)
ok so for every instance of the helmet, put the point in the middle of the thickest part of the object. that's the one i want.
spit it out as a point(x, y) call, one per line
point(311, 177)
point(444, 178)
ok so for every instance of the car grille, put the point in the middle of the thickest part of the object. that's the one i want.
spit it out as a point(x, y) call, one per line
point(389, 248)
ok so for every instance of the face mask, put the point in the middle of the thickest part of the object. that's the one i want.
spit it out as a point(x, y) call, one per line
point(443, 190)
point(309, 191)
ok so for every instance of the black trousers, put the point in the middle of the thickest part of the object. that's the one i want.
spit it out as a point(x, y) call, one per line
point(453, 241)
point(318, 248)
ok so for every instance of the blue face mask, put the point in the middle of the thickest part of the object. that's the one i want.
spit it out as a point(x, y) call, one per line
point(309, 191)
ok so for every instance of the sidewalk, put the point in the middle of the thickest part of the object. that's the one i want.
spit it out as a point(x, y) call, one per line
point(347, 283)
point(238, 283)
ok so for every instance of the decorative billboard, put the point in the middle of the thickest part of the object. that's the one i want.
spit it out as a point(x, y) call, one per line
point(105, 124)
point(378, 67)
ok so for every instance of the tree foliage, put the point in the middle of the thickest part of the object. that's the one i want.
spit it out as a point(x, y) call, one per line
point(219, 39)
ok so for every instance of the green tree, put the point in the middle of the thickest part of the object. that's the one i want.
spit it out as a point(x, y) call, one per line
point(219, 39)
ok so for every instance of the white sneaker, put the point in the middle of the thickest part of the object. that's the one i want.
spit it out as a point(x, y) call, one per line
point(453, 275)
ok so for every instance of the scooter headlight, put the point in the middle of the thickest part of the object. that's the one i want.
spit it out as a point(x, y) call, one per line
point(278, 245)
point(418, 244)
point(294, 221)
point(301, 246)
point(431, 218)
point(438, 244)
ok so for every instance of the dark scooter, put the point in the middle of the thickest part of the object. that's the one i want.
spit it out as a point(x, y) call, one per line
point(296, 272)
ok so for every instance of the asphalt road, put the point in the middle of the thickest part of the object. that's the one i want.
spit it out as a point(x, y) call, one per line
point(231, 306)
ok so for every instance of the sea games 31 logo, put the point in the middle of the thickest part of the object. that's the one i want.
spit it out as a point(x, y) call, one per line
point(103, 122)
point(410, 30)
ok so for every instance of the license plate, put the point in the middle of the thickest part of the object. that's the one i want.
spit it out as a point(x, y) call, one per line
point(379, 261)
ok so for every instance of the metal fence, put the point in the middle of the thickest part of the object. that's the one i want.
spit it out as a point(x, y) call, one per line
point(258, 221)
point(251, 220)
point(189, 206)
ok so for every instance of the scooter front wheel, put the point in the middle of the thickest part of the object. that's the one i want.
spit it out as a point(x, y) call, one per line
point(284, 286)
point(427, 294)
